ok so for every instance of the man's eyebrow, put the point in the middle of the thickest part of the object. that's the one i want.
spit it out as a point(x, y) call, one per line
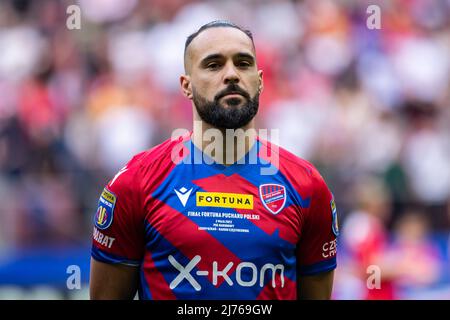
point(210, 57)
point(245, 55)
point(215, 56)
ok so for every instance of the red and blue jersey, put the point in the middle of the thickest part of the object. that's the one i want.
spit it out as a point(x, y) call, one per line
point(202, 230)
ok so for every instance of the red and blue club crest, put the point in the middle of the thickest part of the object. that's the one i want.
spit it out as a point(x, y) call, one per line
point(273, 197)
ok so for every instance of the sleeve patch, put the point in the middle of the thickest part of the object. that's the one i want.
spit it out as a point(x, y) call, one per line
point(335, 223)
point(105, 210)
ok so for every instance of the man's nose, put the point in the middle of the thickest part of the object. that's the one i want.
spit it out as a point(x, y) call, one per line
point(231, 74)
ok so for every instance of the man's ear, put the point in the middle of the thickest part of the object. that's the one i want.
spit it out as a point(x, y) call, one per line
point(186, 87)
point(261, 81)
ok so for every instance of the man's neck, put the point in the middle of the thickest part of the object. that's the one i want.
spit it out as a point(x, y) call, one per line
point(224, 146)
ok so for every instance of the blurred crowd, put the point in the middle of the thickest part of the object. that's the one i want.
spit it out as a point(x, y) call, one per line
point(369, 107)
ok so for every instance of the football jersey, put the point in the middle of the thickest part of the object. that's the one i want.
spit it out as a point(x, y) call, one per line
point(197, 229)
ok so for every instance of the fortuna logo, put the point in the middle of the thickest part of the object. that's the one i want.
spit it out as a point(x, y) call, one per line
point(185, 273)
point(183, 195)
point(224, 200)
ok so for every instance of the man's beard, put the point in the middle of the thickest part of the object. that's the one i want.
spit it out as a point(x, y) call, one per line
point(231, 117)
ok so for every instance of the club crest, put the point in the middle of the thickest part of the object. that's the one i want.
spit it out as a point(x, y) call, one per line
point(273, 197)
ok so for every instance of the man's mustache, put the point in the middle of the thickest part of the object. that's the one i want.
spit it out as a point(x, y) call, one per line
point(232, 88)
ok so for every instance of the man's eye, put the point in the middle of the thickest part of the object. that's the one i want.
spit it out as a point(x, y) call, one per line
point(244, 64)
point(212, 65)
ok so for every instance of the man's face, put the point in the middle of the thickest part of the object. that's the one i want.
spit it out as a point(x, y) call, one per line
point(223, 80)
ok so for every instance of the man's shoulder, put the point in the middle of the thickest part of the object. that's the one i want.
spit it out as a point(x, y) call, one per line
point(289, 161)
point(151, 163)
point(168, 152)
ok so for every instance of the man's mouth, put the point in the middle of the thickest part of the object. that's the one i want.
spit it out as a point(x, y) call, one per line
point(233, 95)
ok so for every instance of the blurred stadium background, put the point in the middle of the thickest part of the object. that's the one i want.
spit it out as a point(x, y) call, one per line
point(370, 108)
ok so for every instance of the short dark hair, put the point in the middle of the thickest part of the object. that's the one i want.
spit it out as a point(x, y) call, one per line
point(216, 24)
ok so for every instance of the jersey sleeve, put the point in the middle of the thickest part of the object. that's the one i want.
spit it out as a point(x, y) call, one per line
point(118, 225)
point(316, 250)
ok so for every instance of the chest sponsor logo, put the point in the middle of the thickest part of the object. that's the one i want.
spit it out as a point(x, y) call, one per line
point(105, 210)
point(248, 268)
point(224, 200)
point(273, 197)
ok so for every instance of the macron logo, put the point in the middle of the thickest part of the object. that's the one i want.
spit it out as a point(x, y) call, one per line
point(183, 195)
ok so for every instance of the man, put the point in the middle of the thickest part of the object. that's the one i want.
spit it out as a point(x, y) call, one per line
point(171, 227)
